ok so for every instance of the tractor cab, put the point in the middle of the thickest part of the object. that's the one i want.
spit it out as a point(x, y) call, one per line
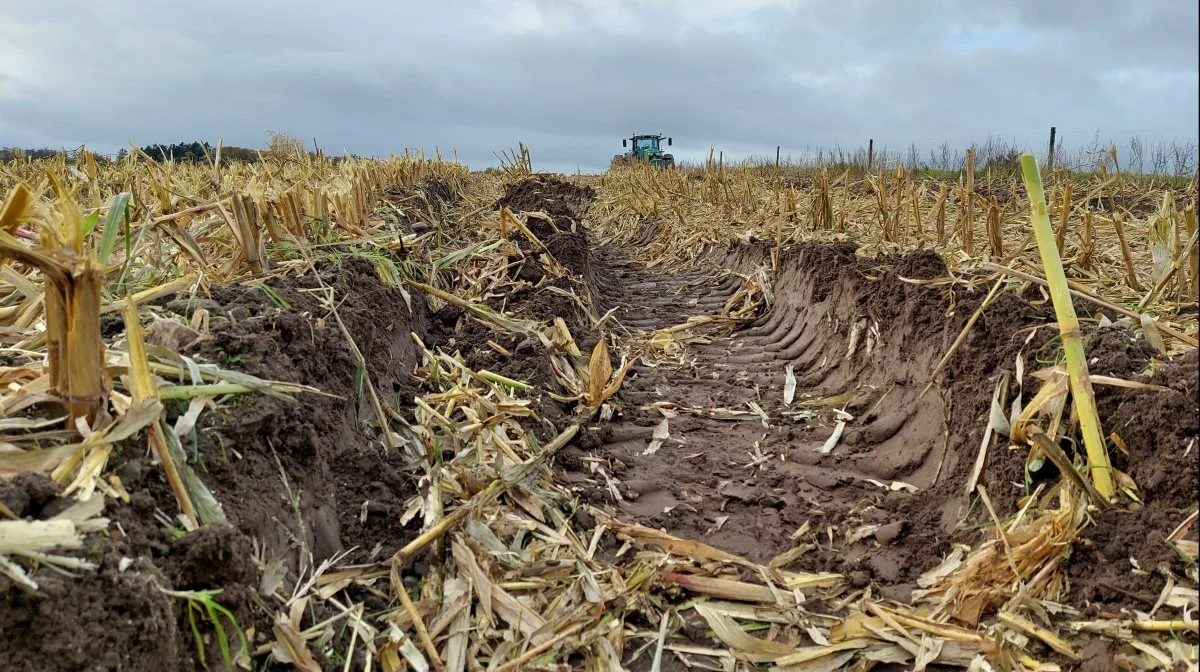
point(645, 145)
point(646, 148)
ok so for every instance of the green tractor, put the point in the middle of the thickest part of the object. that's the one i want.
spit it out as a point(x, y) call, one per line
point(645, 148)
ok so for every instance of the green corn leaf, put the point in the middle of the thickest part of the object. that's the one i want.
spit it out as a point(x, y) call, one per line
point(118, 212)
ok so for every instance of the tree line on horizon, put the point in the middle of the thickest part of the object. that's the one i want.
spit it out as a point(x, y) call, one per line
point(180, 151)
point(280, 145)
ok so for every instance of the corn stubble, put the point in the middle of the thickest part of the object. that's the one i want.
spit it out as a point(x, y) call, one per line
point(71, 296)
point(512, 582)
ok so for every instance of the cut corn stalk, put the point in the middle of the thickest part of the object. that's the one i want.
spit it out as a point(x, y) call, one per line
point(72, 301)
point(1081, 386)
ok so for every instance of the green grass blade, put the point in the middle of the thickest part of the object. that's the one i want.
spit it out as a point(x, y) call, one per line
point(89, 222)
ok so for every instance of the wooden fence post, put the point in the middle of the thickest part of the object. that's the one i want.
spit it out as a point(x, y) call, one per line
point(1050, 154)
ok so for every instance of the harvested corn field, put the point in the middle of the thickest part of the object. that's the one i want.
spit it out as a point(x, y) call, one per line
point(392, 415)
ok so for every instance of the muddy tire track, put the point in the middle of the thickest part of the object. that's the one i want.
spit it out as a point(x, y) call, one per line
point(747, 484)
point(863, 473)
point(884, 501)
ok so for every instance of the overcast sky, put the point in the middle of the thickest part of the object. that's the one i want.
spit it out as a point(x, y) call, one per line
point(570, 78)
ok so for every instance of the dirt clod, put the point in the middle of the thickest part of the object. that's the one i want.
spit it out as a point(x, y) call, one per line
point(889, 532)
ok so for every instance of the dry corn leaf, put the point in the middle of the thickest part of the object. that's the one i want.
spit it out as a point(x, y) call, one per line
point(728, 589)
point(733, 636)
point(37, 536)
point(662, 432)
point(833, 439)
point(290, 647)
point(457, 594)
point(789, 385)
point(35, 461)
point(812, 653)
point(1049, 638)
point(673, 545)
point(15, 207)
point(599, 371)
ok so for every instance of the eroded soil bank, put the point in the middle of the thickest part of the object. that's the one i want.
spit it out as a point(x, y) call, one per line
point(299, 481)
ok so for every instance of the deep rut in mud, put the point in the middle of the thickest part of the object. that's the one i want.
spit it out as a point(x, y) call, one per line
point(747, 481)
point(883, 500)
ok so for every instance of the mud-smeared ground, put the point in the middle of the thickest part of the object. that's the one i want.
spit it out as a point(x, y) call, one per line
point(301, 481)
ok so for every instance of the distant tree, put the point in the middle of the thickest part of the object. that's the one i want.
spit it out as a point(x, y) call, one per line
point(32, 154)
point(238, 154)
point(182, 151)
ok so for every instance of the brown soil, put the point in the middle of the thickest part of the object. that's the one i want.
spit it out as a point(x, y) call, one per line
point(541, 297)
point(294, 478)
point(565, 203)
point(324, 444)
point(566, 240)
point(544, 297)
point(419, 204)
point(1160, 429)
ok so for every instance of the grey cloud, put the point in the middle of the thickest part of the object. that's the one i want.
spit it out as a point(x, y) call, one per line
point(571, 78)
